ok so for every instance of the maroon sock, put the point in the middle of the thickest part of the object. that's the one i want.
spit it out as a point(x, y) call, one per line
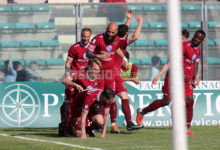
point(153, 106)
point(126, 110)
point(189, 113)
point(113, 112)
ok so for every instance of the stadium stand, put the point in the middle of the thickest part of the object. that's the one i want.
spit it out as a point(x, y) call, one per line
point(28, 31)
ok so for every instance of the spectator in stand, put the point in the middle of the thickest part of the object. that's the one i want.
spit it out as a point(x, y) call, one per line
point(21, 72)
point(9, 73)
point(154, 70)
point(32, 74)
point(111, 10)
point(129, 73)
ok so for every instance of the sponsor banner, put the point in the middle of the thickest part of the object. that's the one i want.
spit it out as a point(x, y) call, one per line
point(37, 104)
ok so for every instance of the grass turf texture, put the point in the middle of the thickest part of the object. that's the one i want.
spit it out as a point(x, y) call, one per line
point(157, 138)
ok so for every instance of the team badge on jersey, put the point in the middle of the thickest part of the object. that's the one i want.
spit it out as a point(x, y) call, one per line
point(194, 57)
point(109, 48)
point(115, 43)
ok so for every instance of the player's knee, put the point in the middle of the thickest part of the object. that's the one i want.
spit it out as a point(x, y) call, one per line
point(166, 101)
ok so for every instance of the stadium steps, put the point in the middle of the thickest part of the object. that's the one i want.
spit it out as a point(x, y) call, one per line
point(146, 61)
point(54, 61)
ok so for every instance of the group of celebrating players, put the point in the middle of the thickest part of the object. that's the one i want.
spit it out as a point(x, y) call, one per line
point(92, 79)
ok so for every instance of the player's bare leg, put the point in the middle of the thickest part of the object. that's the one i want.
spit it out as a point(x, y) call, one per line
point(127, 111)
point(153, 106)
point(189, 113)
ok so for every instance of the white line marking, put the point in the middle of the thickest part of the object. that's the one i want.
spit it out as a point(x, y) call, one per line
point(53, 142)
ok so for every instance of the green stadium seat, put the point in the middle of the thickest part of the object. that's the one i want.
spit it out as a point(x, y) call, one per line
point(5, 9)
point(145, 61)
point(194, 24)
point(152, 7)
point(24, 26)
point(163, 60)
point(50, 43)
point(157, 25)
point(45, 25)
point(40, 8)
point(190, 7)
point(135, 7)
point(213, 7)
point(132, 44)
point(211, 42)
point(212, 24)
point(135, 60)
point(120, 22)
point(213, 60)
point(1, 63)
point(184, 25)
point(40, 62)
point(9, 44)
point(135, 24)
point(217, 42)
point(7, 26)
point(144, 43)
point(30, 43)
point(162, 42)
point(21, 8)
point(55, 61)
point(19, 60)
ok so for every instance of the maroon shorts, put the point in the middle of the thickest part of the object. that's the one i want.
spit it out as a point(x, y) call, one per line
point(119, 85)
point(166, 87)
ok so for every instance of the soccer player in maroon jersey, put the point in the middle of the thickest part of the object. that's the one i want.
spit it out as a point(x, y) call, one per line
point(79, 81)
point(77, 59)
point(191, 53)
point(86, 106)
point(121, 90)
point(105, 46)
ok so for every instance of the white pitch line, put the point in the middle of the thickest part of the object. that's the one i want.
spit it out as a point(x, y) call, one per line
point(53, 142)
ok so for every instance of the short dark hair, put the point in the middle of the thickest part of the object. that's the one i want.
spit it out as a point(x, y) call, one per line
point(185, 33)
point(16, 64)
point(201, 32)
point(86, 29)
point(122, 30)
point(33, 63)
point(155, 60)
point(108, 93)
point(6, 62)
point(127, 55)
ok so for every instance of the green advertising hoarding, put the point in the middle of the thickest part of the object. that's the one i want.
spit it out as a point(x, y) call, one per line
point(37, 104)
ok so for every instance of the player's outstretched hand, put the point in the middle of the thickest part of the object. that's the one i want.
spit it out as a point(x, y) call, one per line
point(129, 14)
point(103, 136)
point(79, 87)
point(155, 81)
point(140, 18)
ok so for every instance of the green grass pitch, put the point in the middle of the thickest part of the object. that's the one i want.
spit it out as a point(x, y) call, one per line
point(156, 138)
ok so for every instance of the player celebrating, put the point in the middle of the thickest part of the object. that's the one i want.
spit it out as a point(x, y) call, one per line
point(121, 90)
point(87, 104)
point(191, 53)
point(83, 79)
point(77, 59)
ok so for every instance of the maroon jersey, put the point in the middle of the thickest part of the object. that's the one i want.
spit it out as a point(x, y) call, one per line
point(118, 60)
point(85, 99)
point(190, 56)
point(98, 46)
point(82, 78)
point(77, 53)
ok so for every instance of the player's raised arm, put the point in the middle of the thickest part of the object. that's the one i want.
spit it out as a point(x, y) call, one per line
point(137, 32)
point(129, 15)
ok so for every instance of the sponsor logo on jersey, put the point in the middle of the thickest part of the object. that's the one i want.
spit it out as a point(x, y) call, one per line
point(109, 48)
point(93, 41)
